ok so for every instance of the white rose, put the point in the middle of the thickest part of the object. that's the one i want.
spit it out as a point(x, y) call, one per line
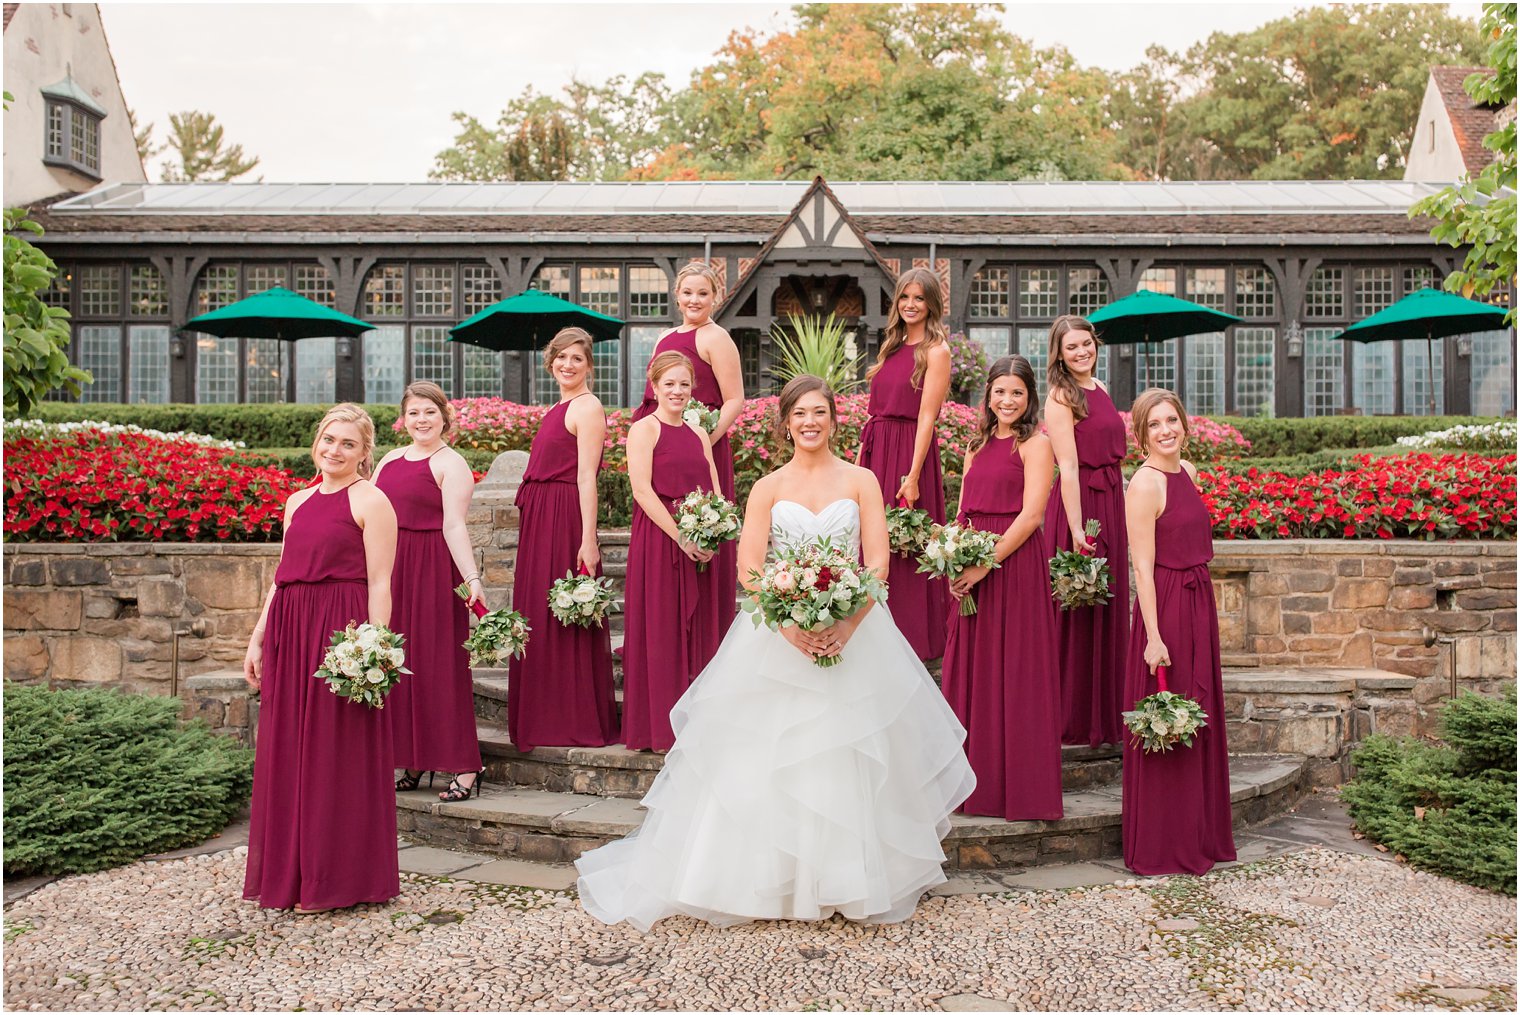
point(375, 676)
point(397, 656)
point(587, 609)
point(585, 592)
point(800, 613)
point(562, 600)
point(1160, 727)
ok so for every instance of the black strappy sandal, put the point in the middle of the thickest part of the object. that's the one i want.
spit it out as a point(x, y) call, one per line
point(457, 792)
point(411, 780)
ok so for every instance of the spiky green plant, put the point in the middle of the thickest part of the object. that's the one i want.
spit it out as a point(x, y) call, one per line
point(817, 345)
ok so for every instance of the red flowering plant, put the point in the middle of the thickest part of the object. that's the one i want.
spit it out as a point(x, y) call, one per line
point(87, 484)
point(1421, 496)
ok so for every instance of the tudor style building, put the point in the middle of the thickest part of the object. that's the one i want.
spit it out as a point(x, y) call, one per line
point(1298, 261)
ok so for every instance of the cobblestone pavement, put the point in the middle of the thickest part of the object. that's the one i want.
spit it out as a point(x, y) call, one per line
point(1315, 928)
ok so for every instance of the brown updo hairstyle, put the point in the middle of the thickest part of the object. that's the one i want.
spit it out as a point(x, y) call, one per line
point(669, 361)
point(795, 388)
point(1058, 380)
point(428, 392)
point(1140, 414)
point(348, 412)
point(1028, 424)
point(563, 339)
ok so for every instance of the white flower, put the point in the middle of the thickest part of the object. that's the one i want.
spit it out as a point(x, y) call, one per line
point(396, 656)
point(692, 417)
point(563, 600)
point(375, 675)
point(800, 613)
point(585, 592)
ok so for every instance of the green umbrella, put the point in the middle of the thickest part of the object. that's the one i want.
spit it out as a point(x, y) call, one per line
point(1429, 314)
point(529, 320)
point(1148, 317)
point(277, 313)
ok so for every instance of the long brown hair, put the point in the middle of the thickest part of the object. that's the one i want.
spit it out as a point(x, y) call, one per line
point(1058, 380)
point(1028, 424)
point(935, 331)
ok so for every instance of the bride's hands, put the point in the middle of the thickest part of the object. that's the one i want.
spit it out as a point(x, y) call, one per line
point(830, 641)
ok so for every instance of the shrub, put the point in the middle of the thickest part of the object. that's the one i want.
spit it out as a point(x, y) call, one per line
point(36, 335)
point(968, 368)
point(1448, 808)
point(1270, 438)
point(95, 778)
point(297, 461)
point(1499, 436)
point(256, 425)
point(817, 345)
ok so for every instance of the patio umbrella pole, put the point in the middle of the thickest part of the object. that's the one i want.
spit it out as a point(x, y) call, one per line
point(1430, 368)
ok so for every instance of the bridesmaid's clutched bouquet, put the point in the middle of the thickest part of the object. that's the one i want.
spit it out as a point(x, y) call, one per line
point(497, 636)
point(951, 549)
point(1161, 720)
point(706, 519)
point(700, 416)
point(812, 586)
point(1080, 579)
point(579, 600)
point(908, 530)
point(364, 663)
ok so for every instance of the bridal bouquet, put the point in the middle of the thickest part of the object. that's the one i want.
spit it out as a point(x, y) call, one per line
point(704, 518)
point(700, 416)
point(1079, 579)
point(908, 530)
point(363, 664)
point(953, 548)
point(812, 586)
point(580, 600)
point(1162, 719)
point(497, 635)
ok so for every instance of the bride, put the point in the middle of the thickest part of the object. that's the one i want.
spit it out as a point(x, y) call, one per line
point(794, 792)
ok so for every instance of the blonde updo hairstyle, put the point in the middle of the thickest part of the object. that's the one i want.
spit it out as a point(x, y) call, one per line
point(703, 270)
point(564, 339)
point(428, 392)
point(1140, 414)
point(348, 412)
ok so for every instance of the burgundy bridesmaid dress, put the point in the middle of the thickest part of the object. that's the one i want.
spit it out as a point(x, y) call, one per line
point(1000, 674)
point(1177, 802)
point(1091, 640)
point(432, 712)
point(559, 694)
point(323, 828)
point(725, 563)
point(918, 603)
point(674, 615)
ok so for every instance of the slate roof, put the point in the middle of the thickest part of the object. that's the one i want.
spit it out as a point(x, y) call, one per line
point(1469, 121)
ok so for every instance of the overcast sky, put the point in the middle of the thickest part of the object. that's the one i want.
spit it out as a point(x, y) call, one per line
point(364, 92)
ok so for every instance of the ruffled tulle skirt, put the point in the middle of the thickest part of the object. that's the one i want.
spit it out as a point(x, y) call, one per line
point(793, 792)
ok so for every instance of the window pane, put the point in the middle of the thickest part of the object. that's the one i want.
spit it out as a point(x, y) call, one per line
point(1039, 292)
point(1255, 293)
point(1087, 290)
point(91, 143)
point(1205, 370)
point(1373, 289)
point(1159, 280)
point(218, 287)
point(100, 291)
point(147, 293)
point(993, 340)
point(100, 354)
point(216, 366)
point(148, 363)
point(989, 294)
point(599, 288)
point(76, 136)
point(384, 366)
point(1422, 277)
point(1324, 372)
point(1325, 295)
point(482, 372)
point(264, 369)
point(553, 278)
point(607, 378)
point(1156, 365)
point(385, 292)
point(316, 369)
point(1206, 286)
point(641, 343)
point(55, 129)
point(313, 282)
point(648, 295)
point(432, 356)
point(262, 277)
point(57, 292)
point(433, 290)
point(481, 287)
point(1034, 345)
point(1417, 380)
point(1255, 383)
point(1493, 374)
point(1372, 391)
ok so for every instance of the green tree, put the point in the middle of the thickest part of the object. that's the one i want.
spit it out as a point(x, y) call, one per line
point(200, 150)
point(1481, 212)
point(36, 335)
point(146, 148)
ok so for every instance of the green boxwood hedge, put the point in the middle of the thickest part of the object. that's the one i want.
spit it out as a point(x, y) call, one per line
point(258, 425)
point(298, 462)
point(1273, 438)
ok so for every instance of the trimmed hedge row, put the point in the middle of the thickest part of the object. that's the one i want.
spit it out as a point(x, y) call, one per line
point(1273, 438)
point(297, 461)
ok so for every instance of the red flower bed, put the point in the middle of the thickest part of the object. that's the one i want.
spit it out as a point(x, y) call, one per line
point(1406, 497)
point(87, 486)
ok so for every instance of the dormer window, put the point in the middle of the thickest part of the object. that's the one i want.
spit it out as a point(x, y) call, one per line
point(72, 128)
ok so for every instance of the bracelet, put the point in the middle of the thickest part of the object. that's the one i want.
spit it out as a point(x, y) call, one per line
point(472, 576)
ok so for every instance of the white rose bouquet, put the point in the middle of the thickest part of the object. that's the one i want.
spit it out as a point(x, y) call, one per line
point(908, 530)
point(951, 549)
point(1160, 720)
point(1080, 579)
point(364, 663)
point(706, 519)
point(497, 635)
point(812, 586)
point(579, 600)
point(700, 416)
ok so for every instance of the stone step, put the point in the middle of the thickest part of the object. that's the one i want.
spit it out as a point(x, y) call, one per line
point(550, 826)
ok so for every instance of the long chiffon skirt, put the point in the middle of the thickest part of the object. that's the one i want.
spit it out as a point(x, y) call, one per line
point(793, 792)
point(1092, 641)
point(323, 827)
point(1000, 678)
point(1177, 802)
point(725, 563)
point(920, 602)
point(431, 712)
point(559, 694)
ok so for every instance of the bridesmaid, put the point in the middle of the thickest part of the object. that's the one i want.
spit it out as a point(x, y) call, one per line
point(432, 713)
point(899, 444)
point(675, 618)
point(1176, 803)
point(559, 694)
point(1087, 434)
point(1000, 663)
point(719, 384)
point(322, 834)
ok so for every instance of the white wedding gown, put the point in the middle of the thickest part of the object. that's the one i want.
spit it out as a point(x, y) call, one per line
point(794, 792)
